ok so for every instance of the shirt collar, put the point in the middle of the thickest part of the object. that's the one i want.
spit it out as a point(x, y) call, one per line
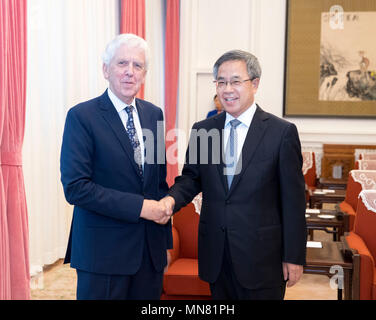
point(118, 104)
point(245, 118)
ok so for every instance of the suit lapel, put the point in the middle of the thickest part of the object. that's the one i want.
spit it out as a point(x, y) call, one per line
point(220, 124)
point(254, 136)
point(110, 114)
point(145, 124)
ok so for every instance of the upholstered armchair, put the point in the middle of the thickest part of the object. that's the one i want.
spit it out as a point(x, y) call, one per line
point(365, 165)
point(351, 200)
point(358, 180)
point(309, 169)
point(181, 281)
point(367, 156)
point(363, 239)
point(309, 172)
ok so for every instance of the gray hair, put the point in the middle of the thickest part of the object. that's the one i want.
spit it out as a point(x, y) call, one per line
point(252, 63)
point(131, 41)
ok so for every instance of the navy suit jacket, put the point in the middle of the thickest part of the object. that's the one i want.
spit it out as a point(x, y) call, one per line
point(100, 178)
point(212, 113)
point(263, 213)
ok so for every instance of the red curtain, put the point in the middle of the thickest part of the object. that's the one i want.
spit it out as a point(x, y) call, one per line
point(133, 21)
point(14, 233)
point(172, 78)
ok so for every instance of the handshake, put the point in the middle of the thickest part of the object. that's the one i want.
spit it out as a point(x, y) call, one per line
point(158, 211)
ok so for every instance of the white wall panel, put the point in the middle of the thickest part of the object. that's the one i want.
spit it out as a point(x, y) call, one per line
point(222, 25)
point(211, 27)
point(205, 94)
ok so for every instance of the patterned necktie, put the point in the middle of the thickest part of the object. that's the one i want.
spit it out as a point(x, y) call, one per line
point(132, 134)
point(231, 152)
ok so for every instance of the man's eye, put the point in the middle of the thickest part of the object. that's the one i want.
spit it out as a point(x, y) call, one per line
point(235, 83)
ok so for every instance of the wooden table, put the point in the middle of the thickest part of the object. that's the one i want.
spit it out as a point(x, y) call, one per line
point(334, 184)
point(337, 225)
point(316, 200)
point(336, 256)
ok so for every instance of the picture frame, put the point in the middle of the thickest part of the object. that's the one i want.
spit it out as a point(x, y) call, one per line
point(330, 59)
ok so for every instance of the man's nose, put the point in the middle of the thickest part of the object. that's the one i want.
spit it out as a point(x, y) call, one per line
point(228, 87)
point(129, 71)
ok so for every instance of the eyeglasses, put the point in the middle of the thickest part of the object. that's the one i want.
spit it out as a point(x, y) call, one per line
point(222, 84)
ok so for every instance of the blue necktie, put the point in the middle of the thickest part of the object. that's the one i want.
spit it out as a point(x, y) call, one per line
point(132, 134)
point(231, 152)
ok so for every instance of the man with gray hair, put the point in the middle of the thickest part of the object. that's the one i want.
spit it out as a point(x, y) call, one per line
point(120, 233)
point(252, 231)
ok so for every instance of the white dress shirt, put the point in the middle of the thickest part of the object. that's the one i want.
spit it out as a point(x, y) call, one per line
point(120, 108)
point(245, 118)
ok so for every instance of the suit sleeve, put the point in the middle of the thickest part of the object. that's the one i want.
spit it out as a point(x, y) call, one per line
point(188, 185)
point(292, 198)
point(163, 186)
point(161, 159)
point(76, 166)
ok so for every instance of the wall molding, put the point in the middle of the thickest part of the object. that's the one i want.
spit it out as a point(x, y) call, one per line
point(338, 137)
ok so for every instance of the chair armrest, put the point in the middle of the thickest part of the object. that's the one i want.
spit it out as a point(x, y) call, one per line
point(348, 213)
point(355, 242)
point(175, 251)
point(343, 215)
point(367, 264)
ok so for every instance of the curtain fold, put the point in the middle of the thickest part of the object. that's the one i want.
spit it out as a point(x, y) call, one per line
point(14, 237)
point(133, 21)
point(5, 288)
point(171, 84)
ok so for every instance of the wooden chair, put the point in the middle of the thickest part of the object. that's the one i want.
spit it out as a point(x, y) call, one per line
point(363, 239)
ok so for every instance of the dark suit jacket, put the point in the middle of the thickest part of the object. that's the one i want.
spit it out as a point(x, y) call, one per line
point(212, 113)
point(263, 213)
point(100, 178)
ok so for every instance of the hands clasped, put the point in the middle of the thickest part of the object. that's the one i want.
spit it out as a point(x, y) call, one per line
point(158, 211)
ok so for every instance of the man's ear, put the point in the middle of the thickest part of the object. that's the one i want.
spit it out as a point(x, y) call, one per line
point(256, 83)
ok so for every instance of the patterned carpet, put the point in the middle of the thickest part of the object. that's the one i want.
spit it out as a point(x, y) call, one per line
point(58, 282)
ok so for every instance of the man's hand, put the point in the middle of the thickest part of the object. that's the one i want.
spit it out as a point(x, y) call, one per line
point(168, 203)
point(292, 273)
point(155, 211)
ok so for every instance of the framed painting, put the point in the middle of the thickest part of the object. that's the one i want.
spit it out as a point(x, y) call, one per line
point(330, 60)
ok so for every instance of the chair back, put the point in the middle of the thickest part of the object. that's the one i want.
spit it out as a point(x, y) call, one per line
point(186, 222)
point(367, 156)
point(365, 165)
point(365, 219)
point(353, 189)
point(309, 168)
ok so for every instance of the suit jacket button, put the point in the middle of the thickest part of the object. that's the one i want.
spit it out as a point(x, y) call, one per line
point(223, 229)
point(228, 202)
